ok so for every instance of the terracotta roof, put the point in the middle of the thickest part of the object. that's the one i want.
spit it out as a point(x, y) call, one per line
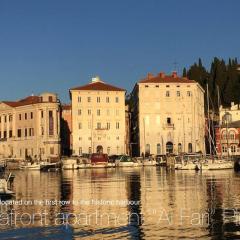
point(25, 101)
point(66, 107)
point(162, 78)
point(98, 86)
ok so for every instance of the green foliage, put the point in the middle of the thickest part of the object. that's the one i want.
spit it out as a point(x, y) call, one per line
point(224, 76)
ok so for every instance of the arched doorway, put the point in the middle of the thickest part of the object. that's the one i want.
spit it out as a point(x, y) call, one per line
point(169, 147)
point(99, 149)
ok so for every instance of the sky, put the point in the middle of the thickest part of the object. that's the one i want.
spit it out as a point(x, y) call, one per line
point(54, 45)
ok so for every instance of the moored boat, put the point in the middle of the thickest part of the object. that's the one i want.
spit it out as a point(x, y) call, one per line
point(125, 161)
point(30, 166)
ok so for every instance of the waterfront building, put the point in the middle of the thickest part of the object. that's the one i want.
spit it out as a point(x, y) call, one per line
point(167, 115)
point(98, 118)
point(228, 131)
point(66, 129)
point(30, 127)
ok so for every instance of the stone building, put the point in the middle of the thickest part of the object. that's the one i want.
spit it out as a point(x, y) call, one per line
point(98, 118)
point(167, 115)
point(228, 131)
point(30, 127)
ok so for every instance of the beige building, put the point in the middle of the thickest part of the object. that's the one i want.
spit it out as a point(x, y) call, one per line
point(98, 118)
point(30, 127)
point(167, 115)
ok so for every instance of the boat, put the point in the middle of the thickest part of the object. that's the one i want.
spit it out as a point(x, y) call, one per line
point(188, 162)
point(149, 162)
point(125, 161)
point(99, 160)
point(5, 187)
point(74, 163)
point(30, 166)
point(48, 166)
point(216, 165)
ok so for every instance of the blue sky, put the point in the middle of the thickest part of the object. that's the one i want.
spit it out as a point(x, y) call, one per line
point(53, 45)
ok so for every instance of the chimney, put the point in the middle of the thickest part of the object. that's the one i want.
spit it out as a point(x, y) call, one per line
point(174, 74)
point(150, 75)
point(162, 75)
point(96, 79)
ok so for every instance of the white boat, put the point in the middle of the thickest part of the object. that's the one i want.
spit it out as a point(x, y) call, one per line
point(30, 166)
point(125, 161)
point(217, 165)
point(187, 166)
point(149, 162)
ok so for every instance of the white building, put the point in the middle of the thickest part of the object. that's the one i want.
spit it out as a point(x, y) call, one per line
point(30, 127)
point(98, 118)
point(167, 115)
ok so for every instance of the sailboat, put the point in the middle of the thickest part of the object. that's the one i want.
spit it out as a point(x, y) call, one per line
point(212, 162)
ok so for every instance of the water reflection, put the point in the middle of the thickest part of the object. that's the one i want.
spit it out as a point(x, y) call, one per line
point(140, 203)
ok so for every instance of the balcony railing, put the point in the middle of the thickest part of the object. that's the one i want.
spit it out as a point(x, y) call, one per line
point(169, 125)
point(230, 141)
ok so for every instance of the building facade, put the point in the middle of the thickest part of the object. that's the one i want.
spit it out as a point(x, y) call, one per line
point(66, 129)
point(30, 127)
point(98, 118)
point(167, 115)
point(228, 131)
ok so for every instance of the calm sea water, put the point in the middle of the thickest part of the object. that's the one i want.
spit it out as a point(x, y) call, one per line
point(139, 203)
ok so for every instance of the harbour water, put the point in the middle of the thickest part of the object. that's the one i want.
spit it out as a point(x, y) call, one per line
point(126, 203)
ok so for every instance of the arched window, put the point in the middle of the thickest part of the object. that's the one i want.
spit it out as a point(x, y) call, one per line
point(179, 148)
point(158, 149)
point(190, 147)
point(233, 148)
point(169, 147)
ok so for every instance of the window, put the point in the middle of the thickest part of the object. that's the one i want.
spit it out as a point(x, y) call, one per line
point(10, 133)
point(189, 93)
point(5, 119)
point(108, 150)
point(167, 94)
point(98, 112)
point(50, 98)
point(117, 125)
point(89, 150)
point(147, 150)
point(117, 137)
point(80, 151)
point(52, 150)
point(178, 94)
point(89, 138)
point(231, 136)
point(157, 86)
point(79, 125)
point(117, 99)
point(190, 147)
point(42, 114)
point(51, 123)
point(224, 149)
point(107, 99)
point(31, 115)
point(89, 112)
point(25, 116)
point(26, 130)
point(10, 118)
point(98, 99)
point(108, 125)
point(5, 134)
point(79, 99)
point(79, 112)
point(146, 86)
point(98, 125)
point(233, 148)
point(20, 117)
point(169, 120)
point(179, 148)
point(89, 99)
point(158, 149)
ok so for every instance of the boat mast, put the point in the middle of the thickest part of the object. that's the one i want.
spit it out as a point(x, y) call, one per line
point(220, 136)
point(209, 134)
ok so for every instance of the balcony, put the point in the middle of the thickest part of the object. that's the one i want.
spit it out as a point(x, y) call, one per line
point(168, 126)
point(230, 141)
